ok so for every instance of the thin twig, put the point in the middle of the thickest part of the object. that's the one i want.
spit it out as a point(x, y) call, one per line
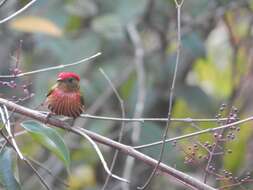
point(210, 130)
point(211, 153)
point(180, 176)
point(18, 54)
point(159, 120)
point(15, 135)
point(26, 161)
point(119, 80)
point(142, 120)
point(186, 120)
point(6, 121)
point(3, 2)
point(17, 12)
point(121, 132)
point(178, 6)
point(37, 173)
point(100, 155)
point(3, 146)
point(51, 68)
point(48, 171)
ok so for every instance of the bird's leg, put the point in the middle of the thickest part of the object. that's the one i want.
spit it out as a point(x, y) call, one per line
point(72, 122)
point(48, 115)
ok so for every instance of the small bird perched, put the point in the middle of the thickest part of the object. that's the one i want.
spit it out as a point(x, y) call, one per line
point(65, 98)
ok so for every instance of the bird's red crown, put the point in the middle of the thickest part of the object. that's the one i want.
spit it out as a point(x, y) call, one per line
point(65, 75)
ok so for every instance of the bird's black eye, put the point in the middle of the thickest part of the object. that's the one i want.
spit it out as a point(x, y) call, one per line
point(70, 79)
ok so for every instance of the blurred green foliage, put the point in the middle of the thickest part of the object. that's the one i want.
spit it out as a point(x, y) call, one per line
point(215, 68)
point(49, 138)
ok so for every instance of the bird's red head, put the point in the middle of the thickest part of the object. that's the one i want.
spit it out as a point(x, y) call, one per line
point(66, 75)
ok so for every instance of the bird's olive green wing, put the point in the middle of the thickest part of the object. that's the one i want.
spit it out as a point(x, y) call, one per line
point(51, 90)
point(82, 99)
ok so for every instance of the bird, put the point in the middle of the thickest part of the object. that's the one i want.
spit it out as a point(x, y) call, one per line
point(65, 98)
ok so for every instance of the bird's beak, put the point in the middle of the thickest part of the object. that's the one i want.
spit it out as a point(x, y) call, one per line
point(59, 79)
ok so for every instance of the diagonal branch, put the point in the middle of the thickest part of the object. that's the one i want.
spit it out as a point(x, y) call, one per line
point(79, 131)
point(142, 120)
point(27, 162)
point(3, 2)
point(6, 121)
point(210, 130)
point(48, 171)
point(51, 68)
point(17, 12)
point(178, 6)
point(180, 176)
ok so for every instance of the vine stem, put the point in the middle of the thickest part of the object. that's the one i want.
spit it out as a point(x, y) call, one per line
point(178, 6)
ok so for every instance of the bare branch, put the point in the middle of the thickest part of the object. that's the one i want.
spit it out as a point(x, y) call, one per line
point(15, 135)
point(17, 12)
point(3, 2)
point(210, 130)
point(48, 171)
point(180, 176)
point(100, 155)
point(26, 161)
point(142, 120)
point(37, 173)
point(3, 146)
point(6, 121)
point(178, 5)
point(51, 68)
point(187, 120)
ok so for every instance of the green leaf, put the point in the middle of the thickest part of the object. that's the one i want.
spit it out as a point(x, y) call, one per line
point(49, 138)
point(217, 82)
point(127, 87)
point(7, 178)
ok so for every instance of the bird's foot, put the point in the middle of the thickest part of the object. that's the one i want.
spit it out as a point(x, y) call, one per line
point(48, 115)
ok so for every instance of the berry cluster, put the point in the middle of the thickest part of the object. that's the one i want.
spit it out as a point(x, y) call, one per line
point(209, 154)
point(14, 83)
